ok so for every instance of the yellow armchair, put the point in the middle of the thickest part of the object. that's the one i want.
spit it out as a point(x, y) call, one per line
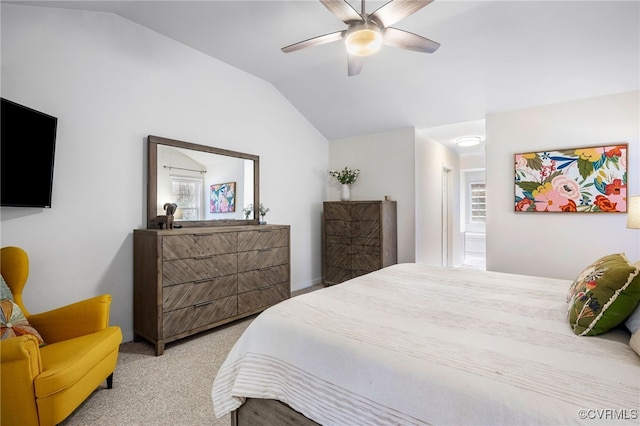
point(43, 385)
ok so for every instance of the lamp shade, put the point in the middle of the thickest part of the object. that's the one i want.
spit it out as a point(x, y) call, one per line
point(633, 212)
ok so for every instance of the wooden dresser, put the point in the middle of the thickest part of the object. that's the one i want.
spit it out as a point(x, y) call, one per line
point(359, 237)
point(192, 279)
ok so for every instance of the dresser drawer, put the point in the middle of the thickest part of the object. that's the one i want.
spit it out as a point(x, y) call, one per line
point(253, 280)
point(193, 293)
point(261, 298)
point(198, 269)
point(262, 239)
point(259, 259)
point(192, 317)
point(198, 245)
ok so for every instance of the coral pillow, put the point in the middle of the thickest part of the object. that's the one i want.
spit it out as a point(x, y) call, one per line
point(13, 323)
point(603, 295)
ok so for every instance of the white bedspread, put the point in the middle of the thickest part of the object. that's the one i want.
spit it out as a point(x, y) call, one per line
point(412, 344)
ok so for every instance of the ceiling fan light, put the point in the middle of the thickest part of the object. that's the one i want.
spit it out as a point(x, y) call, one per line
point(363, 40)
point(468, 141)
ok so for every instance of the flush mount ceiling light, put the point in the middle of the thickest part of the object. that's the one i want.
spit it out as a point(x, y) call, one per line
point(468, 141)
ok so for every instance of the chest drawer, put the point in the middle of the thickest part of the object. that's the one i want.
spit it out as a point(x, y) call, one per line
point(337, 227)
point(190, 294)
point(365, 211)
point(259, 259)
point(365, 228)
point(262, 239)
point(190, 318)
point(198, 245)
point(193, 270)
point(337, 211)
point(261, 298)
point(260, 278)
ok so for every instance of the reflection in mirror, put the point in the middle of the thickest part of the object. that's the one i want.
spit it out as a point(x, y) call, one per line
point(205, 186)
point(210, 186)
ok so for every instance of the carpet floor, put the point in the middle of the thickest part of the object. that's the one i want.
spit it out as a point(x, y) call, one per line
point(171, 389)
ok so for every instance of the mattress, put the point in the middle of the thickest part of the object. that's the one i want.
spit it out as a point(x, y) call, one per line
point(414, 344)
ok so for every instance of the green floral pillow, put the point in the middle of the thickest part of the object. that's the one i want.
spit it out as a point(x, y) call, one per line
point(603, 295)
point(13, 323)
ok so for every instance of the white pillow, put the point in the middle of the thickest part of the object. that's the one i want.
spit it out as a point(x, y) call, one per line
point(633, 320)
point(635, 342)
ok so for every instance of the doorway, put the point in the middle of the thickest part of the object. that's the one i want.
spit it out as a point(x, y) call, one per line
point(445, 234)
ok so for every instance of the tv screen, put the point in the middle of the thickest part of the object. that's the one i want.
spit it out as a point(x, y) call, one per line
point(27, 148)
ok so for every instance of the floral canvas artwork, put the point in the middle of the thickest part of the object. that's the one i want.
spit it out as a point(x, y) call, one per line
point(592, 179)
point(223, 198)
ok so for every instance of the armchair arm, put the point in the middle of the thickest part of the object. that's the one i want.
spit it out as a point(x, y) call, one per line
point(75, 320)
point(19, 367)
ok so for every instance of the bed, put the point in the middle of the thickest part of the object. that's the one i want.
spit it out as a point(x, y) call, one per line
point(414, 344)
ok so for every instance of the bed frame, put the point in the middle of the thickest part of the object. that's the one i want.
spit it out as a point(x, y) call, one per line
point(268, 412)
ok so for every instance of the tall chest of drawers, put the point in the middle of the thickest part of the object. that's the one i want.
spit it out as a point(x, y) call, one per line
point(192, 279)
point(359, 237)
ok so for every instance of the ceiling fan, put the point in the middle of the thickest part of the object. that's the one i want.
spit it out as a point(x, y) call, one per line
point(366, 33)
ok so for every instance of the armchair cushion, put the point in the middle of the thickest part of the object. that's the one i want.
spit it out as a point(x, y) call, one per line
point(13, 323)
point(66, 363)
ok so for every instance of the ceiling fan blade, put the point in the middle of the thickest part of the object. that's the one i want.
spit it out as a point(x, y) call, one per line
point(315, 41)
point(396, 10)
point(355, 65)
point(343, 10)
point(410, 41)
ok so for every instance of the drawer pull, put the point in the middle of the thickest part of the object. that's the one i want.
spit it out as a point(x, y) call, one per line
point(201, 304)
point(264, 249)
point(202, 281)
point(201, 257)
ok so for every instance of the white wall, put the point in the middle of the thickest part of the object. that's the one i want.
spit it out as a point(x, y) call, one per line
point(407, 166)
point(557, 245)
point(111, 83)
point(387, 167)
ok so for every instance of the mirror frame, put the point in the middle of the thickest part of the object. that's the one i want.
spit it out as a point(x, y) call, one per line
point(152, 181)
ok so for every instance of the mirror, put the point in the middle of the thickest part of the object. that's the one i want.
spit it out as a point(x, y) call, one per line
point(210, 186)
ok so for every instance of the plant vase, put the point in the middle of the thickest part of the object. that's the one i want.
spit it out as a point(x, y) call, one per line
point(345, 192)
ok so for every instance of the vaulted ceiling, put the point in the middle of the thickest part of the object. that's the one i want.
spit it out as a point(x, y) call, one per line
point(494, 56)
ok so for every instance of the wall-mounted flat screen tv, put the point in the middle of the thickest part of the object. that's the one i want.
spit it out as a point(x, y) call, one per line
point(27, 152)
